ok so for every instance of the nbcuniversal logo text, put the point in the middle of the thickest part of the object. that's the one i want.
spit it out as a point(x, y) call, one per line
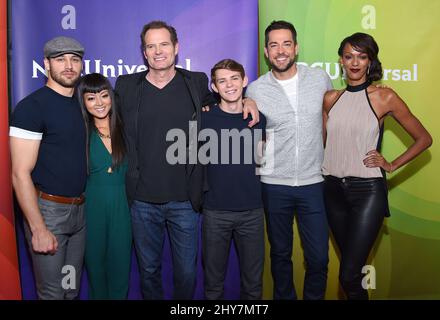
point(114, 70)
point(333, 69)
point(108, 70)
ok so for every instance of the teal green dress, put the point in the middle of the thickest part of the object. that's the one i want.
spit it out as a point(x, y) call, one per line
point(108, 244)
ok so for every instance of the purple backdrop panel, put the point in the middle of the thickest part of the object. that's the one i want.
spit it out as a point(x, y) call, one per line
point(208, 31)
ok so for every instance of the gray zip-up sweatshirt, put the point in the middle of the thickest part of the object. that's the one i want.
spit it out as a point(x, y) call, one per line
point(294, 147)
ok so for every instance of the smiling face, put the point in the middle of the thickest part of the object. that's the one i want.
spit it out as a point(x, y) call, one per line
point(98, 104)
point(229, 85)
point(159, 49)
point(355, 63)
point(281, 50)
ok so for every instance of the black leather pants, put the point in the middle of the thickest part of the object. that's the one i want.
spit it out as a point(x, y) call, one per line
point(355, 209)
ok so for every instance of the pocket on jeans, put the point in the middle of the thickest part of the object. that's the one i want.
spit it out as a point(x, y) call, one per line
point(56, 216)
point(49, 208)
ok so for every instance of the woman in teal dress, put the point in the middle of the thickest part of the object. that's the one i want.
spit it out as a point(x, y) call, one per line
point(108, 243)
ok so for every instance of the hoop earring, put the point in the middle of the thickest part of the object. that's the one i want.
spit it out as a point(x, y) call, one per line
point(368, 70)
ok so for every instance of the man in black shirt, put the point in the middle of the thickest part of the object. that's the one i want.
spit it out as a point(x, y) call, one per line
point(48, 144)
point(163, 195)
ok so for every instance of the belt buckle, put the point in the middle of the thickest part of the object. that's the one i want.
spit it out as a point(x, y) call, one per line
point(79, 200)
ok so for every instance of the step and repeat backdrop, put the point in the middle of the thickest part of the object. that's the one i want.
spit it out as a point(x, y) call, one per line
point(406, 257)
point(208, 31)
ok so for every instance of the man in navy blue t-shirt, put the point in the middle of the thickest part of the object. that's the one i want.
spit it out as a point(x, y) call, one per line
point(48, 144)
point(232, 208)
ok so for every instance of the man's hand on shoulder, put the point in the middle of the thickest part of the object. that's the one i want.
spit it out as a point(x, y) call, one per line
point(249, 106)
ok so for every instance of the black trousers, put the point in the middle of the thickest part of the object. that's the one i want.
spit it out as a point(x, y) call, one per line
point(246, 228)
point(355, 208)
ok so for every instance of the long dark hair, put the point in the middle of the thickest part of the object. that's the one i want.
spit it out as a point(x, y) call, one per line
point(365, 43)
point(94, 83)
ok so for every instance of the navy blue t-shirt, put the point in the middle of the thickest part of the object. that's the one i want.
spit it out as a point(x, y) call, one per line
point(233, 182)
point(61, 167)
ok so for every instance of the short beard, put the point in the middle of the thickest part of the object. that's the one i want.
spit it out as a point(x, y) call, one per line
point(63, 82)
point(289, 65)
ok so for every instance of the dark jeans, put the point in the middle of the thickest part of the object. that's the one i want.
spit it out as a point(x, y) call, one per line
point(247, 230)
point(280, 204)
point(356, 208)
point(67, 223)
point(149, 222)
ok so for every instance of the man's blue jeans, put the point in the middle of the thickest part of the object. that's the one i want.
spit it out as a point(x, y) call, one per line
point(280, 203)
point(149, 222)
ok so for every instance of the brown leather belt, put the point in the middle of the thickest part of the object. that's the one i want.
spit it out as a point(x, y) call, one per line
point(59, 199)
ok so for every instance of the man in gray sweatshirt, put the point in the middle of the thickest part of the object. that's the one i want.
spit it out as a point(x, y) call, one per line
point(290, 96)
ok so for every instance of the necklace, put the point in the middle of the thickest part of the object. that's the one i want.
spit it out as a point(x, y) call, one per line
point(104, 136)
